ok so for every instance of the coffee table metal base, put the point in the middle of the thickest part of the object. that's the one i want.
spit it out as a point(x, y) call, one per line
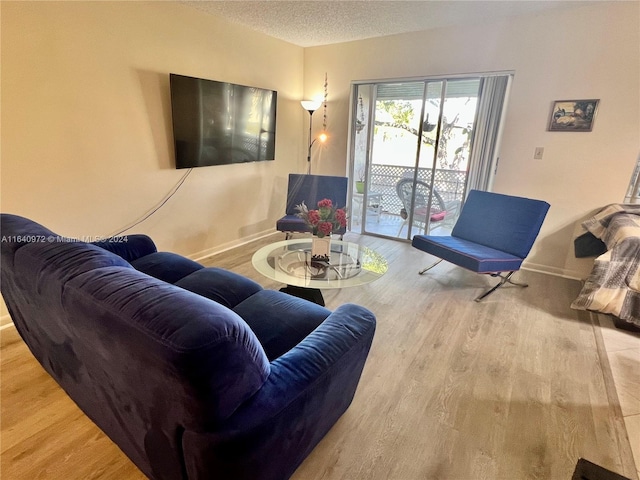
point(312, 294)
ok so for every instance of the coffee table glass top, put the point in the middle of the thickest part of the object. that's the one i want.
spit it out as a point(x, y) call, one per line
point(289, 261)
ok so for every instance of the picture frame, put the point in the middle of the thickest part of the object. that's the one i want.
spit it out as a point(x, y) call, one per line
point(573, 115)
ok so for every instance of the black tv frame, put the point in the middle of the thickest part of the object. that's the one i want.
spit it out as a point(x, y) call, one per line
point(221, 123)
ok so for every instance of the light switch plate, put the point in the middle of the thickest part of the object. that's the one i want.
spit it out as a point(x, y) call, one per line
point(537, 155)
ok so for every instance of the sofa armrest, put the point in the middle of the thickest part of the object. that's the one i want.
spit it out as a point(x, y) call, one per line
point(339, 346)
point(129, 247)
point(308, 389)
point(347, 328)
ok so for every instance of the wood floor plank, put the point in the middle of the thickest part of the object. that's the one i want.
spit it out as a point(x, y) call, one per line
point(514, 387)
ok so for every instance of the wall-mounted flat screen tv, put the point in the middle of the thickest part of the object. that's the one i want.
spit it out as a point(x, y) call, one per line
point(218, 123)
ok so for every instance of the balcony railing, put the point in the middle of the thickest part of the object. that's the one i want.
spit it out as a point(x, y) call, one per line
point(383, 179)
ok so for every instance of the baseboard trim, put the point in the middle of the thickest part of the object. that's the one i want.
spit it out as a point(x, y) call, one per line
point(199, 256)
point(556, 272)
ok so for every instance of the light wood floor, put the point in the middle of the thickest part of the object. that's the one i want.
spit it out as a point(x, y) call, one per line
point(516, 387)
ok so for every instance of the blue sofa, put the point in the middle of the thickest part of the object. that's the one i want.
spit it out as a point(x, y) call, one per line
point(195, 373)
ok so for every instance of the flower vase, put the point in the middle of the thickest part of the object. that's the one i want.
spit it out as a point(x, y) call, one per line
point(321, 248)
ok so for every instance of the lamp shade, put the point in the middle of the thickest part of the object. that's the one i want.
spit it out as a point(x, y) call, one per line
point(310, 105)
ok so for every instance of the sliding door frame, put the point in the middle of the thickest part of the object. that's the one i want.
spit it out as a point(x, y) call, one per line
point(353, 96)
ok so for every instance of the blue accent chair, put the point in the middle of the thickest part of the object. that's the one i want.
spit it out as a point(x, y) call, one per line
point(493, 235)
point(310, 189)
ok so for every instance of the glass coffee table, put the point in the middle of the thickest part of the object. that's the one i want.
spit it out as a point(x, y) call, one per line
point(289, 261)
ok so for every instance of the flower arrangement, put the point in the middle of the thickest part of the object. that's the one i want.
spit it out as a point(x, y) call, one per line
point(325, 219)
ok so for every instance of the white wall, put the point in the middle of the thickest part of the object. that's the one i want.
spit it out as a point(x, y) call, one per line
point(86, 121)
point(583, 52)
point(86, 142)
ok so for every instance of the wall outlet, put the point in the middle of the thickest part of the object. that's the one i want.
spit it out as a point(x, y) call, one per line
point(537, 155)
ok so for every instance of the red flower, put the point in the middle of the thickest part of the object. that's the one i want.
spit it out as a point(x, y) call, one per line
point(325, 228)
point(314, 217)
point(325, 219)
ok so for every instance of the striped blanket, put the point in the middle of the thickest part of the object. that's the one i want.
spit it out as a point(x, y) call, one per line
point(613, 286)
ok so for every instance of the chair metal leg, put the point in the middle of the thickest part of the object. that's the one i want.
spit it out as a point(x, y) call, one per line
point(429, 267)
point(503, 279)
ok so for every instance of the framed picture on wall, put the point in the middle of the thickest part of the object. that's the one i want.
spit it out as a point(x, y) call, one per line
point(573, 115)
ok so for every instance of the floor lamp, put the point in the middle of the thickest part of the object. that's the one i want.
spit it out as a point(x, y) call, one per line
point(311, 106)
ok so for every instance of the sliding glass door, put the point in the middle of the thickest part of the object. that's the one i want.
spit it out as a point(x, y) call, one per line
point(411, 153)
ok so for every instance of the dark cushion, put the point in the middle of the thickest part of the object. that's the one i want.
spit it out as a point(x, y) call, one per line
point(129, 247)
point(63, 260)
point(166, 266)
point(18, 231)
point(222, 286)
point(466, 254)
point(135, 334)
point(280, 321)
point(47, 267)
point(588, 245)
point(292, 223)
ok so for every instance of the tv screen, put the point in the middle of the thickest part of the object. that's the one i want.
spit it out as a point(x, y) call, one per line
point(217, 123)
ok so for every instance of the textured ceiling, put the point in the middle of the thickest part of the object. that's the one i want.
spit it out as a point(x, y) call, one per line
point(324, 22)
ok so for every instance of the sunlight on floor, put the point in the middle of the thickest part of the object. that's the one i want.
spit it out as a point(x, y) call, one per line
point(391, 225)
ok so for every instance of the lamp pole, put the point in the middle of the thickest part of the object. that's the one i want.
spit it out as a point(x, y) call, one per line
point(310, 142)
point(310, 106)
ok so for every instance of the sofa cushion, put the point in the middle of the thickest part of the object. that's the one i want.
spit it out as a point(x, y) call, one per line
point(29, 232)
point(158, 354)
point(166, 266)
point(225, 287)
point(280, 321)
point(62, 260)
point(44, 270)
point(129, 247)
